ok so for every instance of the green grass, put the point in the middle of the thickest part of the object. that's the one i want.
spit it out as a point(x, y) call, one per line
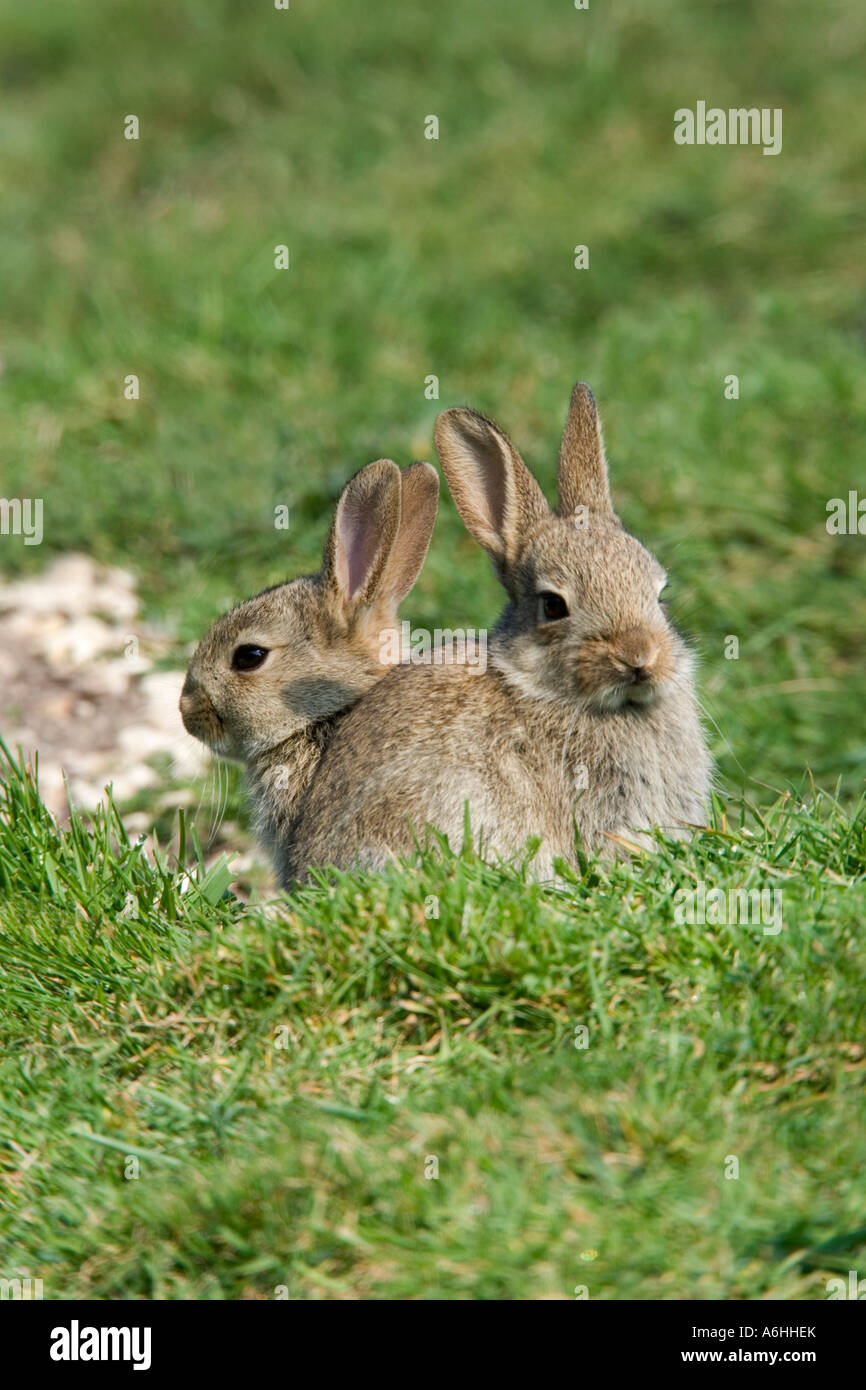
point(145, 1016)
point(284, 1077)
point(451, 257)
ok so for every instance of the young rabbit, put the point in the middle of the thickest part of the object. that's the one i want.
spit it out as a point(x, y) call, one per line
point(586, 716)
point(268, 683)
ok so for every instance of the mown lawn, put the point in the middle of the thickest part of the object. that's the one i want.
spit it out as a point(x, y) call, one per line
point(142, 1021)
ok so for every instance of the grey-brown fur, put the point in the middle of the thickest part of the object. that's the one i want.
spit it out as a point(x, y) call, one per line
point(602, 697)
point(324, 637)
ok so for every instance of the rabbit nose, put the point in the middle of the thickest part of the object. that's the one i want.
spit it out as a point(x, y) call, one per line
point(635, 654)
point(196, 710)
point(188, 698)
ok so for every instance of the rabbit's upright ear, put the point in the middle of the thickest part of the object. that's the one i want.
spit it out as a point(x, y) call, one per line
point(362, 537)
point(420, 502)
point(582, 464)
point(493, 490)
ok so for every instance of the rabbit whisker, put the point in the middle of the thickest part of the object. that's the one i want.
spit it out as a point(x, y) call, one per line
point(222, 802)
point(706, 713)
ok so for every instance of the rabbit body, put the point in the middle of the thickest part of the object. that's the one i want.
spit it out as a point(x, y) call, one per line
point(585, 718)
point(268, 684)
point(519, 765)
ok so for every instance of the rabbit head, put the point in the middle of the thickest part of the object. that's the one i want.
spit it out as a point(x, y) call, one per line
point(584, 625)
point(302, 651)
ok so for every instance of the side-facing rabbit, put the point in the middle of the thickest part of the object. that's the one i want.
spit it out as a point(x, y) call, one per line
point(268, 684)
point(586, 716)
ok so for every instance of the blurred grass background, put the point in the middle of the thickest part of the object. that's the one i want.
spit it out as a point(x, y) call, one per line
point(140, 1006)
point(412, 257)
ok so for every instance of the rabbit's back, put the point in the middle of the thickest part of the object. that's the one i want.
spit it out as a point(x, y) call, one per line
point(431, 742)
point(435, 739)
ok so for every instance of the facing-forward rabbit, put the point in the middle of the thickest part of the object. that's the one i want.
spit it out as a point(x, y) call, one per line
point(586, 718)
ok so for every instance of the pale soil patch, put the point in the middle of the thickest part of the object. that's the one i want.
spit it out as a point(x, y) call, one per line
point(78, 686)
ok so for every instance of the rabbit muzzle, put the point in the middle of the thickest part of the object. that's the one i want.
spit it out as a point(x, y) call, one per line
point(199, 716)
point(632, 667)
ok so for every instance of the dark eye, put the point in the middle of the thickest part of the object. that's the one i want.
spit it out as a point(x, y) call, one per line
point(551, 607)
point(248, 658)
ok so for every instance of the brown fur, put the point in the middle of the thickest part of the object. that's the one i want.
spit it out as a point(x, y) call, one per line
point(325, 638)
point(589, 721)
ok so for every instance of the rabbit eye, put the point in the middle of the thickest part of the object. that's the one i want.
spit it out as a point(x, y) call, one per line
point(248, 658)
point(551, 607)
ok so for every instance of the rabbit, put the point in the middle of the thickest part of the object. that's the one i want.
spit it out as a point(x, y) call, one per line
point(585, 718)
point(271, 680)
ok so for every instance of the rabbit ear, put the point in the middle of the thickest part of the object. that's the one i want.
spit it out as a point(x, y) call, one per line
point(493, 490)
point(582, 465)
point(362, 536)
point(420, 502)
